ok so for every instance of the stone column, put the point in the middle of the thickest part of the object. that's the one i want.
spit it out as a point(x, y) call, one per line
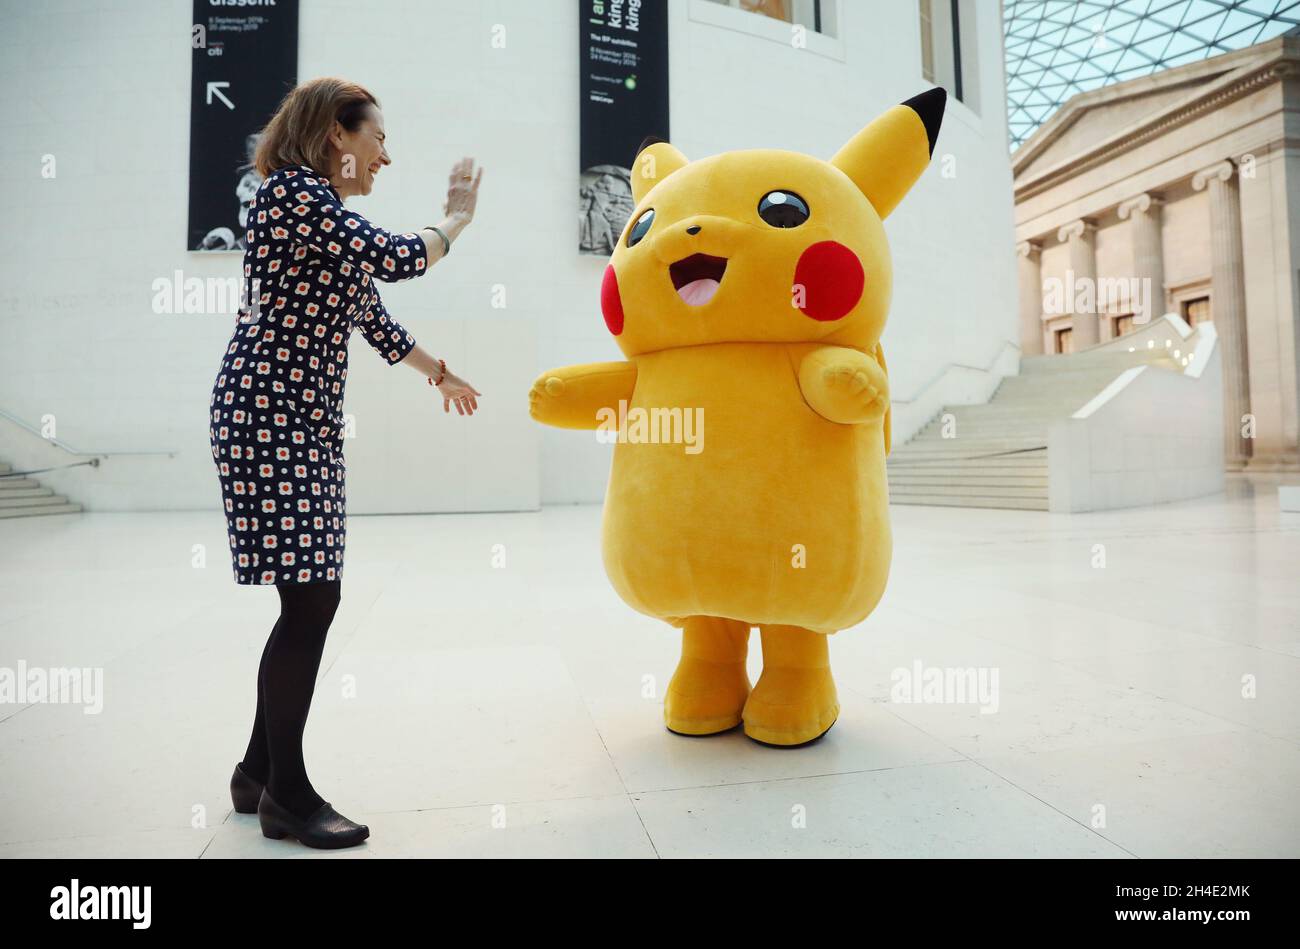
point(1031, 298)
point(1228, 302)
point(1270, 245)
point(1083, 267)
point(1148, 256)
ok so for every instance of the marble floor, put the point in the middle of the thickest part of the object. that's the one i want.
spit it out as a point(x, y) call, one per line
point(485, 693)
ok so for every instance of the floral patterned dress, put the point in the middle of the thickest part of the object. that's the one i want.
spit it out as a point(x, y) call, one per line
point(310, 272)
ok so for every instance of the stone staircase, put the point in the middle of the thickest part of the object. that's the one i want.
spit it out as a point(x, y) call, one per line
point(995, 454)
point(24, 497)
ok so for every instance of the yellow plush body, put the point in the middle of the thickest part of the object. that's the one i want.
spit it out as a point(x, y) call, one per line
point(782, 517)
point(749, 292)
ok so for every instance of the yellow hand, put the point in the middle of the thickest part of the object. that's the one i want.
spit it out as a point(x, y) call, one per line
point(844, 385)
point(573, 396)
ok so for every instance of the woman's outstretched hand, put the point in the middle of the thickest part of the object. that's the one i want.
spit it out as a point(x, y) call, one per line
point(462, 190)
point(457, 390)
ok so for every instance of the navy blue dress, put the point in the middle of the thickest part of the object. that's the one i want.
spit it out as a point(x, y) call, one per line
point(311, 267)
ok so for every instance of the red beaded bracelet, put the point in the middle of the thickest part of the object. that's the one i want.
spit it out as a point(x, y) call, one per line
point(442, 373)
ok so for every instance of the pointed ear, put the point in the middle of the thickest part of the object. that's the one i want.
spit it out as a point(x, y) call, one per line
point(887, 157)
point(655, 161)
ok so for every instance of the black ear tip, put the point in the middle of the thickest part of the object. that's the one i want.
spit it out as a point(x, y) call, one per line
point(647, 142)
point(930, 105)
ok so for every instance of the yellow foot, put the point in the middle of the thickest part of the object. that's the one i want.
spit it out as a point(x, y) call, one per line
point(794, 701)
point(705, 698)
point(709, 688)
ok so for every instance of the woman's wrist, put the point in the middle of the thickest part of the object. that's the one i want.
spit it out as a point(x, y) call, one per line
point(444, 234)
point(454, 224)
point(439, 240)
point(424, 362)
point(439, 374)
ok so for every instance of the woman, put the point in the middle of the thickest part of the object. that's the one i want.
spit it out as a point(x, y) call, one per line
point(311, 271)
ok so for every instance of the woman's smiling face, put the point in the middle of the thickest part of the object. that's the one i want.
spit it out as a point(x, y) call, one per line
point(362, 153)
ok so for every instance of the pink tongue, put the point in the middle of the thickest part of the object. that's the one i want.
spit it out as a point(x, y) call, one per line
point(699, 292)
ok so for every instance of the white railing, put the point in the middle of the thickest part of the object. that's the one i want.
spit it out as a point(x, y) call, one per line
point(954, 384)
point(1152, 435)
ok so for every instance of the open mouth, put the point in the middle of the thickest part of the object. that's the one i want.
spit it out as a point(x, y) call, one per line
point(697, 278)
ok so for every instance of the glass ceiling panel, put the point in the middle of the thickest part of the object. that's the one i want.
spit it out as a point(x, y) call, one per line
point(1057, 48)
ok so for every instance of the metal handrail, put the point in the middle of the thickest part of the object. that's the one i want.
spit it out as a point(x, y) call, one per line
point(64, 446)
point(93, 462)
point(938, 376)
point(947, 461)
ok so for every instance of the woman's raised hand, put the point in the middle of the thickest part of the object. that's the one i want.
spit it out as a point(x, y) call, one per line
point(462, 190)
point(456, 390)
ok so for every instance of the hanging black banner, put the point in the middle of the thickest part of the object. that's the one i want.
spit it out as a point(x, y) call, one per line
point(624, 89)
point(244, 58)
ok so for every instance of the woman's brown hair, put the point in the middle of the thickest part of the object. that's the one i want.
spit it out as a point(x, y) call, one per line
point(298, 133)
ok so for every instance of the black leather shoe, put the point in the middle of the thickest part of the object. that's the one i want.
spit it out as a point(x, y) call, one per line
point(245, 792)
point(326, 829)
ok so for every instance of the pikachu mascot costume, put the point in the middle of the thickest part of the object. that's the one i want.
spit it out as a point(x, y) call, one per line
point(749, 290)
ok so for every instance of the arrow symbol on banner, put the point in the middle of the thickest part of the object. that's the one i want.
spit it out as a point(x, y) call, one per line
point(214, 89)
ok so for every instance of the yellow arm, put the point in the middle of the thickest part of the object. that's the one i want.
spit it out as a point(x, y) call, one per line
point(570, 397)
point(846, 386)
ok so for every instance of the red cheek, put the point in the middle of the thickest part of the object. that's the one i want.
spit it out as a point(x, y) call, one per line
point(610, 303)
point(831, 278)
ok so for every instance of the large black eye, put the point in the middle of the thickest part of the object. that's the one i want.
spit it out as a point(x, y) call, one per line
point(783, 209)
point(641, 227)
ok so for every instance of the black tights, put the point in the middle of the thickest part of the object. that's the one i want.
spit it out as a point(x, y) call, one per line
point(286, 679)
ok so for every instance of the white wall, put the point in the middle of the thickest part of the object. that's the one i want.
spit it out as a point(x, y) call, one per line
point(104, 87)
